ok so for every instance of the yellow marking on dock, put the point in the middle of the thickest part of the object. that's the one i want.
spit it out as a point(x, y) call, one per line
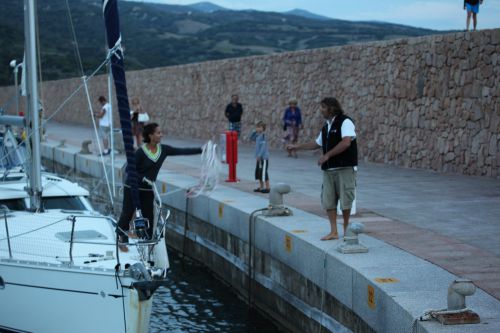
point(221, 210)
point(386, 280)
point(163, 188)
point(299, 231)
point(371, 297)
point(228, 201)
point(288, 243)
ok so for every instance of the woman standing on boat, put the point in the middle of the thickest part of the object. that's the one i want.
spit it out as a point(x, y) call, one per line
point(149, 159)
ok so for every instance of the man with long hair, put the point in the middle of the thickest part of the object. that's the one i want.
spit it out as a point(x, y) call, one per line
point(339, 160)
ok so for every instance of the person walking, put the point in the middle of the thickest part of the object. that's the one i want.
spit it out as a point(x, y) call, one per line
point(149, 159)
point(472, 7)
point(338, 161)
point(104, 116)
point(292, 122)
point(233, 113)
point(262, 157)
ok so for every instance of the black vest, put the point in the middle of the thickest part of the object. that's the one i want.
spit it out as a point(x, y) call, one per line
point(348, 157)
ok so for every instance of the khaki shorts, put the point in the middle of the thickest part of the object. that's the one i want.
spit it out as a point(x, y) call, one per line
point(338, 184)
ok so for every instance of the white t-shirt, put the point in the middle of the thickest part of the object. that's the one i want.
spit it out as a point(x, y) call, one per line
point(347, 129)
point(106, 118)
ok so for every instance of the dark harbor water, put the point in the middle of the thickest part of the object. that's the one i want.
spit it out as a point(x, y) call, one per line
point(195, 301)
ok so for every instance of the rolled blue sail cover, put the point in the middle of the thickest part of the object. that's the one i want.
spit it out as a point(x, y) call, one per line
point(113, 36)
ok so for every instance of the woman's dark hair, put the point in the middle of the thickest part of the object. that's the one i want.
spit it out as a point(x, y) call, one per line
point(147, 131)
point(333, 106)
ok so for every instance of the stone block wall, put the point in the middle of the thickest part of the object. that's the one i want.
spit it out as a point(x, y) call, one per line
point(428, 102)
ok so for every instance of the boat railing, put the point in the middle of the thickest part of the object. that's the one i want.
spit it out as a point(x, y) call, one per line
point(31, 237)
point(20, 240)
point(4, 210)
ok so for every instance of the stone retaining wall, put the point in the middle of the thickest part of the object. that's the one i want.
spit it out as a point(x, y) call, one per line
point(429, 102)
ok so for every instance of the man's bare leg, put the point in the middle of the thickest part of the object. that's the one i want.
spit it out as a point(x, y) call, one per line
point(474, 20)
point(346, 213)
point(468, 21)
point(332, 216)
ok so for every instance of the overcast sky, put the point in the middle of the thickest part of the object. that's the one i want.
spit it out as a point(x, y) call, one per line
point(438, 14)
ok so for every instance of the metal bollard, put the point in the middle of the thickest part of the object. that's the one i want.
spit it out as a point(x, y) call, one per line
point(457, 291)
point(457, 313)
point(351, 241)
point(276, 206)
point(85, 147)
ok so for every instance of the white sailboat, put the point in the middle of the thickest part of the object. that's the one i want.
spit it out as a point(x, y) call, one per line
point(60, 266)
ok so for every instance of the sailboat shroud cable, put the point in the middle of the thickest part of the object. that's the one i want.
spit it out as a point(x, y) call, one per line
point(87, 79)
point(60, 107)
point(71, 95)
point(76, 46)
point(98, 143)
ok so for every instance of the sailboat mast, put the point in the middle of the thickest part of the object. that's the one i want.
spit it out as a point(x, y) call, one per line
point(35, 181)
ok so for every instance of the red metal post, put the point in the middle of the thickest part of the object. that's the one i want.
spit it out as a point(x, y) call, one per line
point(232, 154)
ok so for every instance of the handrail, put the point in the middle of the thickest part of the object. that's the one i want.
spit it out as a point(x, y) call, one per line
point(73, 220)
point(5, 209)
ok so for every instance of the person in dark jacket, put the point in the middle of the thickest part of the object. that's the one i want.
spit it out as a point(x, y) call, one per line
point(233, 113)
point(149, 159)
point(472, 7)
point(338, 161)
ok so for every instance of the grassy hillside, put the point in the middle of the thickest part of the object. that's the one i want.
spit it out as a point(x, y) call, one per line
point(157, 35)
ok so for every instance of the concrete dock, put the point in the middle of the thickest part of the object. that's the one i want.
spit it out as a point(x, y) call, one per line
point(451, 221)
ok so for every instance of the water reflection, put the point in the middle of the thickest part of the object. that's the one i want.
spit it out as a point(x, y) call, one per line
point(194, 301)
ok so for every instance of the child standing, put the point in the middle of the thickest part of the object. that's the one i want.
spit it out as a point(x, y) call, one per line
point(262, 157)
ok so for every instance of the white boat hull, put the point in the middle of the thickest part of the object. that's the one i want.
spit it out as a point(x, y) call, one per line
point(50, 299)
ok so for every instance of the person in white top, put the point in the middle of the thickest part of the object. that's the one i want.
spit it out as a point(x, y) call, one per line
point(104, 116)
point(338, 161)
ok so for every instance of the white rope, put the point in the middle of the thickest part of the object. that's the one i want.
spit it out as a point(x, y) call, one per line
point(429, 314)
point(209, 175)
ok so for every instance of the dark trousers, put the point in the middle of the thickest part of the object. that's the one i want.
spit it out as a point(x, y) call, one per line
point(147, 208)
point(261, 170)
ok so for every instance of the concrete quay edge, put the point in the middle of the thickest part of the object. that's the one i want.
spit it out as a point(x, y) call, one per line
point(422, 285)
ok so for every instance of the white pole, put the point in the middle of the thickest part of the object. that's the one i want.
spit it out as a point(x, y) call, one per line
point(17, 89)
point(35, 181)
point(112, 139)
